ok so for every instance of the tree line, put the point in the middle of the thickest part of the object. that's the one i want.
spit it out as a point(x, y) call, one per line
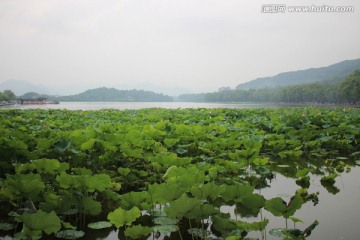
point(345, 91)
point(7, 96)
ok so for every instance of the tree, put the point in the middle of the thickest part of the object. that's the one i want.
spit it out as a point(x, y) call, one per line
point(7, 95)
point(350, 87)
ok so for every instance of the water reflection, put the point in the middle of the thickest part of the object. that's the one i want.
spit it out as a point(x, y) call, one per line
point(338, 214)
point(139, 105)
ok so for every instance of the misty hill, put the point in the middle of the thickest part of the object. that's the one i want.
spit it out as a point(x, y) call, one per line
point(114, 95)
point(20, 87)
point(332, 73)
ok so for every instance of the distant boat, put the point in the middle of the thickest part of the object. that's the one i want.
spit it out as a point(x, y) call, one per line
point(53, 102)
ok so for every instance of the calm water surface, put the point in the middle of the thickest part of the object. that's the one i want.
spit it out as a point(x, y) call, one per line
point(139, 105)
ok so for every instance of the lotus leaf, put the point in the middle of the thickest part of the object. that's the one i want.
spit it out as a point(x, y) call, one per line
point(182, 207)
point(99, 225)
point(90, 206)
point(25, 185)
point(121, 217)
point(137, 231)
point(279, 207)
point(70, 234)
point(40, 221)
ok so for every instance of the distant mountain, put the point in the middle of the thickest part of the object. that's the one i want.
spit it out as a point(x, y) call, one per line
point(20, 87)
point(114, 95)
point(167, 89)
point(335, 72)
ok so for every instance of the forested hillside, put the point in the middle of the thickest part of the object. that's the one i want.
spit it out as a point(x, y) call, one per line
point(332, 73)
point(114, 95)
point(345, 91)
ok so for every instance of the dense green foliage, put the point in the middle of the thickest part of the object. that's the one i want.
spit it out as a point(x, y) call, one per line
point(165, 171)
point(331, 73)
point(346, 91)
point(350, 88)
point(7, 96)
point(115, 95)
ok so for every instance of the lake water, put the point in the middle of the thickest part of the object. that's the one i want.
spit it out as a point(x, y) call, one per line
point(139, 105)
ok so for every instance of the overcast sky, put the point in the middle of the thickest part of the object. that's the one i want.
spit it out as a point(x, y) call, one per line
point(200, 45)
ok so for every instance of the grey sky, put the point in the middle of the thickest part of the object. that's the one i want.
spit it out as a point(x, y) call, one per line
point(199, 45)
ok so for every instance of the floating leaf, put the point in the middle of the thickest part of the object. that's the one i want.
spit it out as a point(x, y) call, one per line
point(6, 226)
point(165, 228)
point(99, 225)
point(70, 234)
point(164, 221)
point(286, 233)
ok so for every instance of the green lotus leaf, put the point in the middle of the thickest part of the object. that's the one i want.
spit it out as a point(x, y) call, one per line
point(165, 228)
point(120, 217)
point(124, 171)
point(203, 211)
point(330, 178)
point(294, 234)
point(6, 226)
point(279, 207)
point(131, 199)
point(70, 234)
point(253, 226)
point(41, 221)
point(90, 206)
point(222, 224)
point(89, 144)
point(43, 144)
point(250, 205)
point(169, 142)
point(236, 192)
point(60, 147)
point(261, 161)
point(67, 181)
point(99, 225)
point(25, 185)
point(166, 192)
point(137, 231)
point(308, 230)
point(296, 220)
point(100, 182)
point(199, 232)
point(46, 165)
point(302, 172)
point(67, 225)
point(182, 206)
point(207, 191)
point(164, 221)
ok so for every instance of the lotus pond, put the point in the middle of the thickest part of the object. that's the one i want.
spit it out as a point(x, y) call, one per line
point(175, 174)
